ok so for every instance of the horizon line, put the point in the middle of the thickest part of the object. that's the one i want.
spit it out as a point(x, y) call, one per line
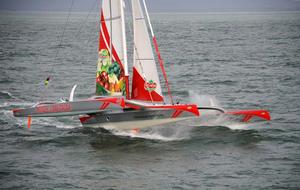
point(162, 12)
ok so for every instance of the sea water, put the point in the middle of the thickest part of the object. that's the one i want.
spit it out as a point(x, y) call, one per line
point(230, 60)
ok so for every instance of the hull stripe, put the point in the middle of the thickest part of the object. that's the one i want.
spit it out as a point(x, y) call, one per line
point(104, 106)
point(176, 113)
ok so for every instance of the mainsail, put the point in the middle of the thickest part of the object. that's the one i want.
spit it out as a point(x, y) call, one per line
point(145, 80)
point(112, 58)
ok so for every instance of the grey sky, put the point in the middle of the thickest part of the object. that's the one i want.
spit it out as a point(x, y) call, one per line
point(159, 5)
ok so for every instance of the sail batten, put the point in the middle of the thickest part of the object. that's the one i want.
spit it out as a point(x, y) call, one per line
point(113, 18)
point(142, 18)
point(145, 59)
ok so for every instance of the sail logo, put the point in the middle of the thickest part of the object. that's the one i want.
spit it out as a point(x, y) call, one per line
point(150, 85)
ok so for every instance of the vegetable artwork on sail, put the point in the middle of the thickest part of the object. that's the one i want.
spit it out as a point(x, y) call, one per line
point(110, 76)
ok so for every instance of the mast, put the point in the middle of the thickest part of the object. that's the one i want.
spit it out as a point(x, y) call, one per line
point(122, 6)
point(111, 30)
point(160, 60)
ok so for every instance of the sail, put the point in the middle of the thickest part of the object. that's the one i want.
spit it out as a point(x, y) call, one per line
point(145, 80)
point(110, 77)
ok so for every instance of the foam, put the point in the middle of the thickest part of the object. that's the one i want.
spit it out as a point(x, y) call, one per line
point(153, 135)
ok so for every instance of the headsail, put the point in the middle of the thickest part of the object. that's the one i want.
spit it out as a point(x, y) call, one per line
point(112, 63)
point(145, 80)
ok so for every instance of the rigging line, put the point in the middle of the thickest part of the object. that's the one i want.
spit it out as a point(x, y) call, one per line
point(98, 26)
point(89, 38)
point(61, 38)
point(160, 60)
point(111, 30)
point(49, 77)
point(84, 21)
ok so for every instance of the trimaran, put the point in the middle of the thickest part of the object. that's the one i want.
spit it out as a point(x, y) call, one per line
point(114, 106)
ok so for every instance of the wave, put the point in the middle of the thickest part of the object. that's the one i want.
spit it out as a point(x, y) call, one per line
point(5, 95)
point(161, 133)
point(11, 104)
point(203, 100)
point(67, 123)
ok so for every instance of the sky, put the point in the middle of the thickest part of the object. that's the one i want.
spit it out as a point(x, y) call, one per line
point(158, 5)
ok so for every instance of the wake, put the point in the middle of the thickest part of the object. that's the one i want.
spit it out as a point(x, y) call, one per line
point(183, 130)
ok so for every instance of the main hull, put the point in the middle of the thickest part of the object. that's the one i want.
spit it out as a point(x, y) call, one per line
point(133, 119)
point(138, 119)
point(119, 113)
point(127, 125)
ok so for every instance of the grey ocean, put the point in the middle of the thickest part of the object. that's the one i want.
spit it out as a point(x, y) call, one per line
point(244, 60)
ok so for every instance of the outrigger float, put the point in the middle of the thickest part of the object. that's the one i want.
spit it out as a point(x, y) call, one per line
point(113, 107)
